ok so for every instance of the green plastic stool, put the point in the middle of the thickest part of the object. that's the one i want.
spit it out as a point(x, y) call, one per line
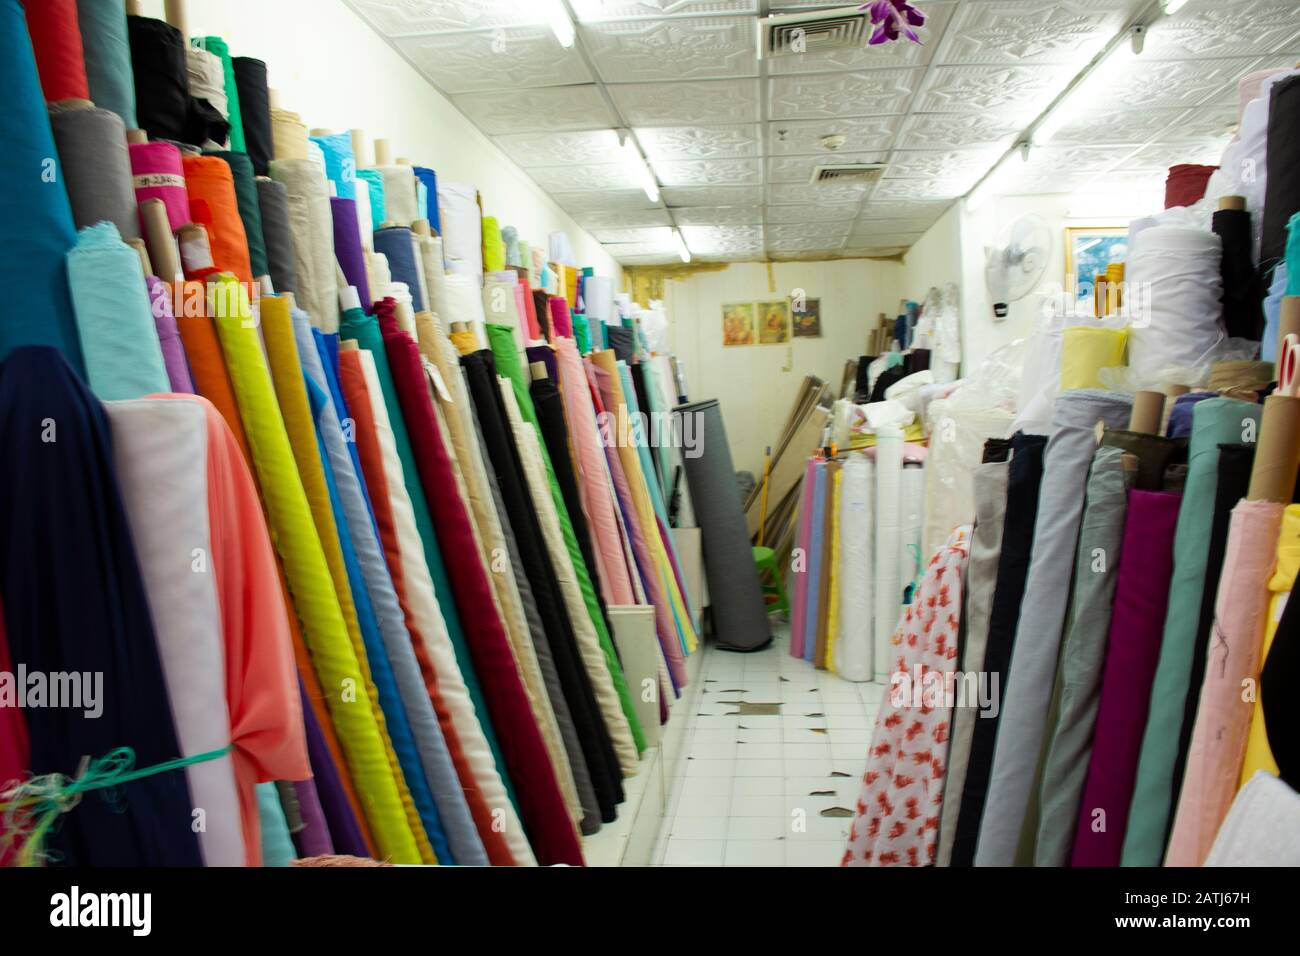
point(774, 591)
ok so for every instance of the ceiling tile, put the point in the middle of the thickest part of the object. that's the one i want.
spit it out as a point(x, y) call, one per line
point(826, 232)
point(669, 143)
point(1024, 90)
point(585, 199)
point(721, 172)
point(799, 169)
point(631, 259)
point(1146, 84)
point(712, 195)
point(1031, 31)
point(805, 245)
point(1067, 160)
point(675, 104)
point(813, 254)
point(640, 248)
point(813, 212)
point(718, 215)
point(946, 188)
point(949, 130)
point(867, 237)
point(705, 235)
point(937, 16)
point(928, 210)
point(823, 95)
point(803, 137)
point(1213, 28)
point(877, 226)
point(787, 193)
point(397, 18)
point(557, 149)
point(1209, 124)
point(1160, 156)
point(552, 109)
point(579, 176)
point(660, 235)
point(939, 163)
point(871, 252)
point(507, 59)
point(631, 51)
point(1122, 126)
point(621, 218)
point(589, 11)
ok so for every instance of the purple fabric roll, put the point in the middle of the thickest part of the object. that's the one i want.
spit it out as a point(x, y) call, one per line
point(347, 246)
point(169, 337)
point(1137, 620)
point(344, 833)
point(546, 355)
point(314, 837)
point(1180, 417)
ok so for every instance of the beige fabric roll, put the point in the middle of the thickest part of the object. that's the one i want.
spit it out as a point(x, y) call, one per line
point(1240, 375)
point(208, 82)
point(401, 200)
point(435, 275)
point(288, 135)
point(313, 240)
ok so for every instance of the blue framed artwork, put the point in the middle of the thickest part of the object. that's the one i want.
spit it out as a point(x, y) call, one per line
point(1088, 250)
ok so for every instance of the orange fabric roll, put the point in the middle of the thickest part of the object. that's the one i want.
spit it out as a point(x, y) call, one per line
point(213, 204)
point(56, 41)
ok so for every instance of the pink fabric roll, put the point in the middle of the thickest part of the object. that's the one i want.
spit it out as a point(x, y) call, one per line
point(1222, 716)
point(159, 175)
point(561, 323)
point(799, 566)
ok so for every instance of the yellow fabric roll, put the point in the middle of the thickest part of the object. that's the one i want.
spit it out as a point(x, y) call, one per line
point(288, 135)
point(833, 612)
point(465, 342)
point(914, 433)
point(1258, 754)
point(494, 248)
point(1085, 351)
point(294, 533)
point(570, 288)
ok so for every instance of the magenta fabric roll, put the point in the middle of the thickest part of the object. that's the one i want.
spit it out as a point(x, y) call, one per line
point(1137, 621)
point(1222, 725)
point(347, 247)
point(169, 337)
point(158, 173)
point(799, 567)
point(561, 322)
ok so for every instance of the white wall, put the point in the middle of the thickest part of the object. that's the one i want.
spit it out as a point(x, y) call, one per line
point(335, 71)
point(757, 383)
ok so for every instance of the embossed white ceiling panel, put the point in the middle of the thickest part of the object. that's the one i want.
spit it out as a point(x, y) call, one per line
point(813, 212)
point(673, 104)
point(505, 59)
point(622, 218)
point(636, 51)
point(556, 149)
point(829, 95)
point(804, 137)
point(546, 110)
point(718, 215)
point(1066, 32)
point(668, 143)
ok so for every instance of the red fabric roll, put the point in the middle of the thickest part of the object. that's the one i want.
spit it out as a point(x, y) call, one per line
point(541, 805)
point(1185, 184)
point(56, 41)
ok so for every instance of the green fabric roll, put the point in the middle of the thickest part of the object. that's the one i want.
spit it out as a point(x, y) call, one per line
point(250, 208)
point(502, 340)
point(582, 332)
point(1215, 421)
point(365, 329)
point(217, 47)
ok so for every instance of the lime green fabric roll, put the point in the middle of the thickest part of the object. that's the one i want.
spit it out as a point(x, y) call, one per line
point(494, 248)
point(502, 340)
point(217, 47)
point(308, 574)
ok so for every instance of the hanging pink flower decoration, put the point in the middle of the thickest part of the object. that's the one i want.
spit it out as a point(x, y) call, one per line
point(892, 16)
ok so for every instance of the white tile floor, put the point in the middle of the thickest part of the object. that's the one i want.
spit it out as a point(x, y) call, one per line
point(752, 789)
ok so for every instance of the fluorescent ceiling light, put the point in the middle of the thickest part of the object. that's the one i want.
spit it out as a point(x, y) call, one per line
point(680, 245)
point(1173, 6)
point(639, 168)
point(996, 178)
point(1083, 96)
point(558, 18)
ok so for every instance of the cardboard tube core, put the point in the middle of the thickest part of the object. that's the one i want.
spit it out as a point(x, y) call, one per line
point(1147, 408)
point(421, 228)
point(1277, 454)
point(383, 152)
point(160, 241)
point(1232, 202)
point(175, 13)
point(539, 371)
point(136, 136)
point(321, 131)
point(360, 151)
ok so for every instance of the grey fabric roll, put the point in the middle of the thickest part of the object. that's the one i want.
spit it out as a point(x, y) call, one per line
point(273, 199)
point(591, 822)
point(1083, 655)
point(107, 52)
point(990, 491)
point(1068, 457)
point(736, 598)
point(96, 168)
point(312, 224)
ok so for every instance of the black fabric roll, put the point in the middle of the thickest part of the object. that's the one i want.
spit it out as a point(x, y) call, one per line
point(542, 306)
point(1242, 316)
point(622, 341)
point(737, 610)
point(1282, 193)
point(862, 381)
point(917, 360)
point(96, 168)
point(1023, 482)
point(996, 449)
point(1277, 685)
point(1155, 453)
point(75, 604)
point(164, 106)
point(885, 379)
point(254, 111)
point(273, 201)
point(250, 208)
point(602, 764)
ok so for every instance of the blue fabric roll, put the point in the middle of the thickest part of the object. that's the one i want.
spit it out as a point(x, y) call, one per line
point(1273, 312)
point(429, 180)
point(340, 164)
point(374, 179)
point(395, 243)
point(277, 844)
point(107, 50)
point(114, 317)
point(1180, 417)
point(36, 228)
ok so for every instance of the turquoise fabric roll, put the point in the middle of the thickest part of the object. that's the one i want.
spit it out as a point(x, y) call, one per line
point(1215, 421)
point(277, 844)
point(217, 47)
point(36, 228)
point(114, 316)
point(340, 164)
point(375, 180)
point(107, 51)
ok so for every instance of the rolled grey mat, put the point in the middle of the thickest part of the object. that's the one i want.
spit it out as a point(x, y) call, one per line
point(273, 199)
point(735, 596)
point(96, 167)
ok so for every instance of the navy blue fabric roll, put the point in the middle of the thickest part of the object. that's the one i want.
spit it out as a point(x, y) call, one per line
point(75, 604)
point(430, 180)
point(395, 243)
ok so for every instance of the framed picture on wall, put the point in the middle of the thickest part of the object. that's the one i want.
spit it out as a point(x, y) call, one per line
point(1088, 250)
point(773, 322)
point(806, 317)
point(737, 323)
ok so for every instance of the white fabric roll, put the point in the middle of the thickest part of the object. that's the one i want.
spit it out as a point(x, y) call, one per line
point(889, 590)
point(461, 300)
point(160, 452)
point(378, 274)
point(887, 413)
point(956, 449)
point(854, 649)
point(500, 306)
point(561, 249)
point(462, 228)
point(313, 235)
point(316, 156)
point(365, 224)
point(434, 272)
point(401, 201)
point(423, 279)
point(1262, 828)
point(598, 298)
point(911, 495)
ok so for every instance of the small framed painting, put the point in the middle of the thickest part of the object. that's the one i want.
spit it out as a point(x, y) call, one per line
point(773, 322)
point(1088, 250)
point(737, 323)
point(806, 317)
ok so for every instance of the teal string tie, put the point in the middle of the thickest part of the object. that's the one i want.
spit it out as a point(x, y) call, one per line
point(29, 809)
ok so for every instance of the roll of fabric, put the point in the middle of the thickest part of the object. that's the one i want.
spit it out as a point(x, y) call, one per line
point(373, 179)
point(801, 574)
point(1246, 375)
point(429, 179)
point(815, 600)
point(277, 231)
point(1133, 648)
point(1155, 455)
point(1260, 828)
point(1215, 421)
point(1241, 290)
point(288, 135)
point(400, 201)
point(396, 245)
point(342, 833)
point(164, 106)
point(311, 222)
point(56, 40)
point(1083, 656)
point(277, 843)
point(462, 227)
point(169, 337)
point(911, 559)
point(347, 246)
point(1222, 724)
point(218, 47)
point(207, 79)
point(990, 481)
point(1282, 193)
point(1067, 460)
point(1023, 486)
point(1185, 184)
point(250, 209)
point(1180, 416)
point(15, 745)
point(494, 247)
point(114, 316)
point(254, 111)
point(1280, 667)
point(36, 228)
point(888, 587)
point(107, 53)
point(1085, 351)
point(214, 204)
point(88, 622)
point(96, 168)
point(158, 174)
point(1292, 263)
point(854, 646)
point(1178, 269)
point(340, 164)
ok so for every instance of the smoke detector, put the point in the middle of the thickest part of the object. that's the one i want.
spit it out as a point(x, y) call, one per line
point(799, 33)
point(834, 141)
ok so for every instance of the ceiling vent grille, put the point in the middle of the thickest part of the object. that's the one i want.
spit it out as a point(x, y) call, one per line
point(846, 174)
point(796, 34)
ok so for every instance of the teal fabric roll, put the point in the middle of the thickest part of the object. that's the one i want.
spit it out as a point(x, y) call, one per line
point(250, 208)
point(114, 316)
point(107, 51)
point(1293, 255)
point(375, 180)
point(1215, 421)
point(217, 47)
point(340, 164)
point(277, 844)
point(36, 228)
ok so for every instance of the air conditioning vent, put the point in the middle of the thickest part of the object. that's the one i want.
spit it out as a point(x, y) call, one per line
point(846, 174)
point(795, 34)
